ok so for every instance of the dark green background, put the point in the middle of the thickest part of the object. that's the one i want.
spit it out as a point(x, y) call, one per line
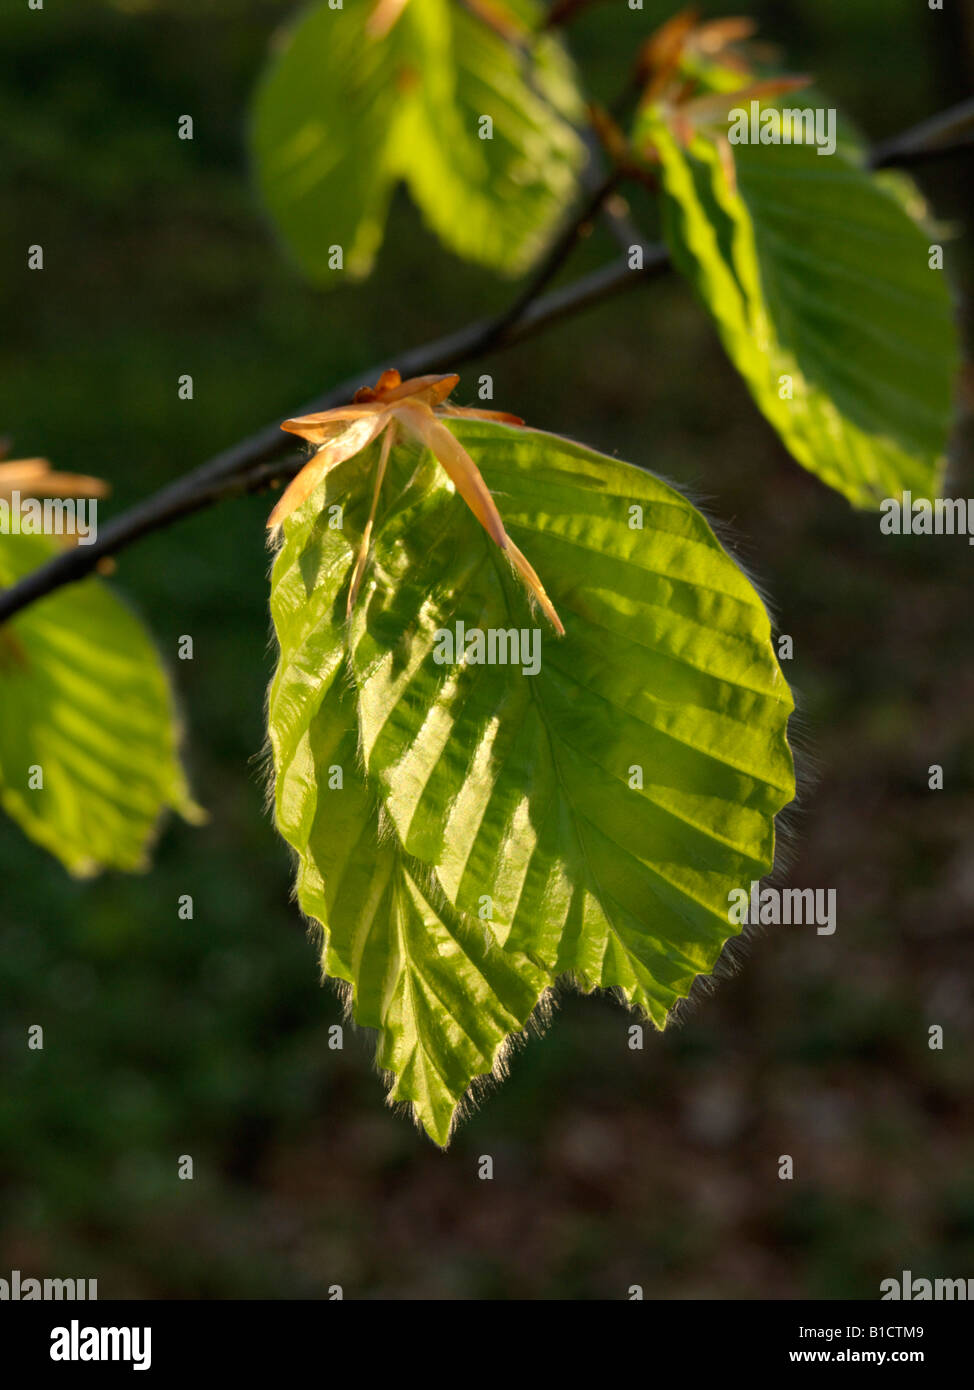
point(209, 1037)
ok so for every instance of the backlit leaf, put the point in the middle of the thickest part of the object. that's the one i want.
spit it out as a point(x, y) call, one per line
point(520, 790)
point(85, 702)
point(817, 275)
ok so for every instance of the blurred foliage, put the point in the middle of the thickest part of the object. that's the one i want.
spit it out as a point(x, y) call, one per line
point(341, 117)
point(210, 1036)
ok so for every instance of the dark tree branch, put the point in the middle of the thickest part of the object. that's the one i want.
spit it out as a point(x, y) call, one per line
point(257, 461)
point(943, 134)
point(260, 460)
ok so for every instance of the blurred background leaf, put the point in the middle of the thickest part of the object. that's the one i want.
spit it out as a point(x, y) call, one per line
point(343, 114)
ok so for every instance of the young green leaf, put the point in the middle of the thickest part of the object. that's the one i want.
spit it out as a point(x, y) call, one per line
point(88, 738)
point(345, 112)
point(596, 796)
point(818, 277)
point(441, 993)
point(466, 832)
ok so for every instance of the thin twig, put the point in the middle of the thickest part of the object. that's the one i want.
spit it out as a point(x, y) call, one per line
point(562, 12)
point(943, 134)
point(577, 227)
